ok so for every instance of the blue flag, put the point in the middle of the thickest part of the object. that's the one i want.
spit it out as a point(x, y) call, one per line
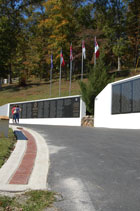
point(51, 61)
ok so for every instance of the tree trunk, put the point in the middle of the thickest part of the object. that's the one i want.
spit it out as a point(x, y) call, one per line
point(10, 74)
point(9, 78)
point(22, 78)
point(0, 83)
point(119, 63)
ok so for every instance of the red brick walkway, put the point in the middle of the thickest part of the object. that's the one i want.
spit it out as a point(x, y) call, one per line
point(22, 174)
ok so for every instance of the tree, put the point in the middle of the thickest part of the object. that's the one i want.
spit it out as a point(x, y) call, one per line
point(60, 24)
point(120, 49)
point(30, 58)
point(12, 17)
point(8, 31)
point(133, 30)
point(97, 80)
point(110, 16)
point(87, 32)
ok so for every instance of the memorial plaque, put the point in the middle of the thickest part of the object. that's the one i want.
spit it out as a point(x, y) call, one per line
point(29, 110)
point(116, 99)
point(35, 110)
point(46, 109)
point(53, 108)
point(67, 101)
point(40, 109)
point(76, 107)
point(68, 108)
point(126, 100)
point(60, 108)
point(126, 96)
point(24, 110)
point(136, 95)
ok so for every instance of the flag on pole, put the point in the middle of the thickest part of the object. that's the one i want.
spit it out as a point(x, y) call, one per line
point(51, 61)
point(62, 59)
point(97, 53)
point(83, 50)
point(71, 56)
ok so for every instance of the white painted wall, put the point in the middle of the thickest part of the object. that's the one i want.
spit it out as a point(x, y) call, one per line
point(4, 110)
point(52, 121)
point(56, 121)
point(102, 112)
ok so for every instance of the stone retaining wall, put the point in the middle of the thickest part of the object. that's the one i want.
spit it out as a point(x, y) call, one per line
point(87, 121)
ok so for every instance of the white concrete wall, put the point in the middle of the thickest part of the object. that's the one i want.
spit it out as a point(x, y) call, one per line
point(102, 112)
point(52, 121)
point(56, 121)
point(82, 109)
point(4, 110)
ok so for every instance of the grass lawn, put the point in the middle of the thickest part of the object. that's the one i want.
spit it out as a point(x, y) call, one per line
point(30, 201)
point(36, 90)
point(6, 146)
point(40, 89)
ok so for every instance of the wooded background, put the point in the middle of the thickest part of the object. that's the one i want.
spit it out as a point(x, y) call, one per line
point(32, 30)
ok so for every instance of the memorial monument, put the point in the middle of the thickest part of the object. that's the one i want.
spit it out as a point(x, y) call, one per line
point(118, 105)
point(59, 111)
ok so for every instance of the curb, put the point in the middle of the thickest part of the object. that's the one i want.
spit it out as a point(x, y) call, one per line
point(38, 177)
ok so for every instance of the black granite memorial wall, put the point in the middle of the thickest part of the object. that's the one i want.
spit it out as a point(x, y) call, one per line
point(56, 108)
point(126, 97)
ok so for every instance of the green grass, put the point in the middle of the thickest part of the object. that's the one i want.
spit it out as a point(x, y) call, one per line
point(36, 90)
point(6, 146)
point(30, 201)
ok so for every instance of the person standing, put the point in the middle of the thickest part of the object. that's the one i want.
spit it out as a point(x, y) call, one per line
point(14, 114)
point(18, 109)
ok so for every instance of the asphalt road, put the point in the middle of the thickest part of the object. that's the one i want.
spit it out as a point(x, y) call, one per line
point(94, 169)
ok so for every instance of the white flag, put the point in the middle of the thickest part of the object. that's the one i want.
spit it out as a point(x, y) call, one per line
point(83, 50)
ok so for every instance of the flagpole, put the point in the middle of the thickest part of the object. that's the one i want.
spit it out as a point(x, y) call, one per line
point(60, 79)
point(71, 58)
point(51, 75)
point(82, 63)
point(70, 76)
point(50, 82)
point(82, 67)
point(94, 52)
point(83, 57)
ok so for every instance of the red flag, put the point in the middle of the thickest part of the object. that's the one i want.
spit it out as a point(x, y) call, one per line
point(71, 56)
point(62, 59)
point(97, 53)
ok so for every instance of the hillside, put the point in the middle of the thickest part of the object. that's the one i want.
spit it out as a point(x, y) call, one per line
point(35, 90)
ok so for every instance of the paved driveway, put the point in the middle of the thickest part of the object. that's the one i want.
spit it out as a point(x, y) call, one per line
point(94, 169)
